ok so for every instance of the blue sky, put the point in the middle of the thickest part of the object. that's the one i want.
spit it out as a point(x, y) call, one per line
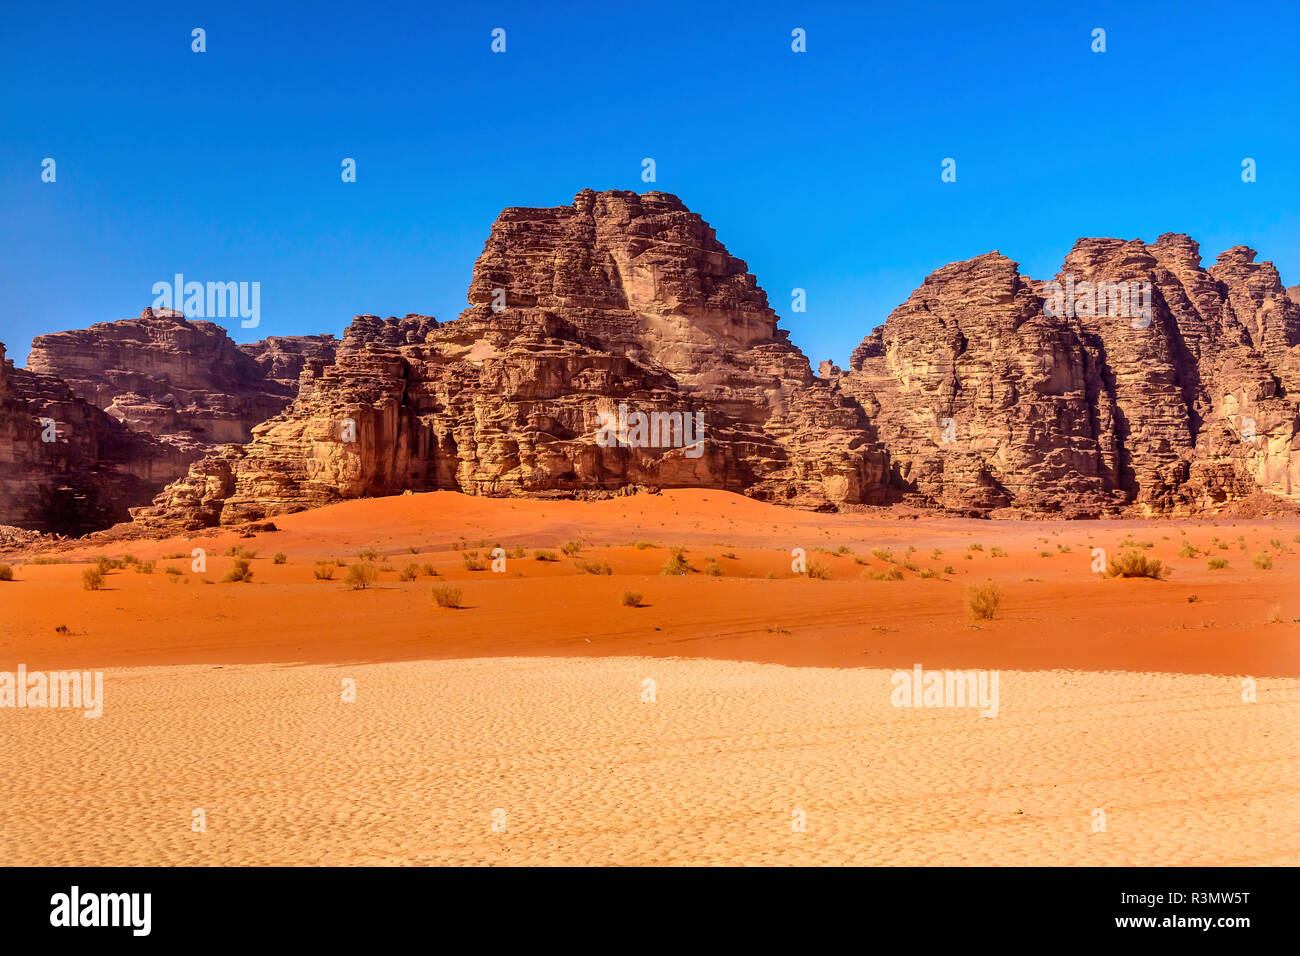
point(821, 170)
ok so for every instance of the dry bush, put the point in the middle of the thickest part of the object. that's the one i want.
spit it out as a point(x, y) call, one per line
point(593, 567)
point(323, 571)
point(631, 598)
point(677, 563)
point(1135, 564)
point(92, 579)
point(360, 576)
point(240, 572)
point(1217, 564)
point(1262, 562)
point(984, 600)
point(444, 595)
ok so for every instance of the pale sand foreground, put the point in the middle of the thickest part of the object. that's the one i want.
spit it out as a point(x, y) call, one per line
point(711, 772)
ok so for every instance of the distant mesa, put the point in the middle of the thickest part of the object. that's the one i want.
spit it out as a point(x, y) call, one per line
point(1133, 382)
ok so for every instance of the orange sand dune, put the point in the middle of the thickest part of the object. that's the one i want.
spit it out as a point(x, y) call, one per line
point(1121, 701)
point(1057, 613)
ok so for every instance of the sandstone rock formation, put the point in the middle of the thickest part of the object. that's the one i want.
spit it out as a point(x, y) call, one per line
point(1135, 381)
point(184, 382)
point(65, 466)
point(283, 358)
point(618, 299)
point(986, 400)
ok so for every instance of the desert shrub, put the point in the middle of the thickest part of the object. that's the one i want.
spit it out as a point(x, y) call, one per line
point(429, 571)
point(936, 554)
point(631, 598)
point(360, 576)
point(1217, 564)
point(340, 563)
point(473, 562)
point(280, 558)
point(996, 552)
point(642, 545)
point(927, 573)
point(1192, 599)
point(570, 548)
point(146, 567)
point(240, 572)
point(984, 600)
point(444, 595)
point(593, 567)
point(1134, 564)
point(911, 567)
point(1274, 615)
point(844, 549)
point(545, 556)
point(891, 574)
point(1064, 548)
point(1262, 562)
point(368, 555)
point(947, 569)
point(730, 555)
point(48, 559)
point(818, 571)
point(409, 573)
point(1187, 551)
point(173, 572)
point(6, 573)
point(974, 547)
point(1045, 554)
point(516, 552)
point(92, 579)
point(102, 564)
point(1223, 546)
point(323, 571)
point(712, 568)
point(884, 554)
point(677, 563)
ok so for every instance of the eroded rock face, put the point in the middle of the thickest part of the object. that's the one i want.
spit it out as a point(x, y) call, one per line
point(65, 466)
point(1134, 381)
point(183, 382)
point(283, 358)
point(987, 397)
point(617, 300)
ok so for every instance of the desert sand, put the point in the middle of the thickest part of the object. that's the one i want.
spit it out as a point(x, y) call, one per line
point(514, 729)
